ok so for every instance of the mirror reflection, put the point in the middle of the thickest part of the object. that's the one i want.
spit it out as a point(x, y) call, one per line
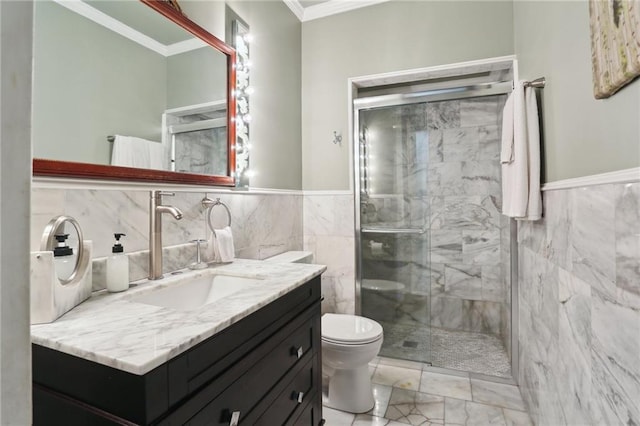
point(116, 83)
point(63, 237)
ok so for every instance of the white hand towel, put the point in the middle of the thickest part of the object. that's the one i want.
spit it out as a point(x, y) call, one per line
point(129, 151)
point(223, 245)
point(520, 155)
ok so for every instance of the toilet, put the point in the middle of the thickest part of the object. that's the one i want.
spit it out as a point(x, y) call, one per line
point(349, 343)
point(381, 299)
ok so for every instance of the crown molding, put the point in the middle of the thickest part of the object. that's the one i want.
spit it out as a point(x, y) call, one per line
point(296, 8)
point(332, 7)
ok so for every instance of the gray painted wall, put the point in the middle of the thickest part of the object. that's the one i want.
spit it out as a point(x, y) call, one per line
point(387, 37)
point(276, 78)
point(583, 136)
point(70, 109)
point(196, 77)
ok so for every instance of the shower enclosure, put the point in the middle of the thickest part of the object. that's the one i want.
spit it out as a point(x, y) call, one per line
point(433, 264)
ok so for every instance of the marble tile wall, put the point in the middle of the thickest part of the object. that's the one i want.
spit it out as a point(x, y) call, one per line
point(200, 151)
point(329, 234)
point(436, 166)
point(469, 250)
point(263, 225)
point(579, 301)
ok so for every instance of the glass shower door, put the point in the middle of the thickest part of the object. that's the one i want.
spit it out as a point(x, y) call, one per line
point(392, 218)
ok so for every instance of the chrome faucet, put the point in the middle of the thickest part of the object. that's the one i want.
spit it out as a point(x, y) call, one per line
point(155, 231)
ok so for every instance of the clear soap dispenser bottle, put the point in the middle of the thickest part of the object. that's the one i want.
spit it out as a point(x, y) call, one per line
point(117, 267)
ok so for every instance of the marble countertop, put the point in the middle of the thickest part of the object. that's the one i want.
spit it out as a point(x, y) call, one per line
point(110, 329)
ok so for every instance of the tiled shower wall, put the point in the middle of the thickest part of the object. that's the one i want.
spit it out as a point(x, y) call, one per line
point(469, 237)
point(262, 224)
point(579, 333)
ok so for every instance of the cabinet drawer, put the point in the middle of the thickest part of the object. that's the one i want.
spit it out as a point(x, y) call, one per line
point(293, 399)
point(207, 361)
point(306, 418)
point(246, 383)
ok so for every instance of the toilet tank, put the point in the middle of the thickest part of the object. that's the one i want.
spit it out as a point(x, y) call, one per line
point(292, 257)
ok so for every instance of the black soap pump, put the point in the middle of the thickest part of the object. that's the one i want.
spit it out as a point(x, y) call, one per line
point(117, 267)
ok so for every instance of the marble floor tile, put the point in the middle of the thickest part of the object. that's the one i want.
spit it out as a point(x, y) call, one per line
point(516, 418)
point(415, 408)
point(381, 395)
point(337, 418)
point(368, 420)
point(445, 385)
point(445, 371)
point(467, 413)
point(397, 377)
point(411, 365)
point(501, 395)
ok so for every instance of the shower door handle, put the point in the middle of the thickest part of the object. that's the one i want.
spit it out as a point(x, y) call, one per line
point(394, 230)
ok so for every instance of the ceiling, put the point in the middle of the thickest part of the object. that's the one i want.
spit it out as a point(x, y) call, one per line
point(307, 10)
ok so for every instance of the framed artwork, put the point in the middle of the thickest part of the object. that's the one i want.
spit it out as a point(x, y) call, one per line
point(615, 44)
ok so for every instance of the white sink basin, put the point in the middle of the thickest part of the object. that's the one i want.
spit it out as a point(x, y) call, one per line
point(197, 292)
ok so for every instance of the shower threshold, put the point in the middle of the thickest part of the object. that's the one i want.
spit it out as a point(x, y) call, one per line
point(473, 352)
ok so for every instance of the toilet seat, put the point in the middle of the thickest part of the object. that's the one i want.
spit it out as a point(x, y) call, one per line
point(344, 329)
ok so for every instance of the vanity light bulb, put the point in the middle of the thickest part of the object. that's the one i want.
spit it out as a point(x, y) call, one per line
point(247, 118)
point(249, 90)
point(248, 37)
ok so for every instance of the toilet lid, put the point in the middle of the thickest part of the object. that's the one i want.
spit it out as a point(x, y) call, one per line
point(349, 329)
point(382, 285)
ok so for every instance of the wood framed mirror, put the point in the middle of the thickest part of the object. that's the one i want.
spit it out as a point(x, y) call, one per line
point(159, 83)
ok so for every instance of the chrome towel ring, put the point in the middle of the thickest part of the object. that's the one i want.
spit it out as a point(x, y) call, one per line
point(210, 204)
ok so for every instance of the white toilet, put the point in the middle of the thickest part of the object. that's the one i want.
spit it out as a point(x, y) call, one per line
point(349, 343)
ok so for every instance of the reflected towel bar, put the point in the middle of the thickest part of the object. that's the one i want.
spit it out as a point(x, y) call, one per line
point(111, 138)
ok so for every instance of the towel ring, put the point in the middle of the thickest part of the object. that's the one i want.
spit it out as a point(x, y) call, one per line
point(212, 204)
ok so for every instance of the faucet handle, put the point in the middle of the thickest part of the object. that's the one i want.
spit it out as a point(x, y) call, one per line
point(198, 264)
point(169, 194)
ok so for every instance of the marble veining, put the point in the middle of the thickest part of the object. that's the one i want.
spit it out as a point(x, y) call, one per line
point(579, 307)
point(114, 331)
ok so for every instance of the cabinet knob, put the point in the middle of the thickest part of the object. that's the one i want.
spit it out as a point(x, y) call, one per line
point(235, 418)
point(297, 396)
point(298, 352)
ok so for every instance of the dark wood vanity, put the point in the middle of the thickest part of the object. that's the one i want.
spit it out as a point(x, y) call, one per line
point(263, 370)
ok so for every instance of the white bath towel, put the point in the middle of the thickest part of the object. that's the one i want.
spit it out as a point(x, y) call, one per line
point(520, 155)
point(129, 151)
point(220, 248)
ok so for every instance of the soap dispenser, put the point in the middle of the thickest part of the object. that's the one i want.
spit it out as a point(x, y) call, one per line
point(117, 267)
point(64, 259)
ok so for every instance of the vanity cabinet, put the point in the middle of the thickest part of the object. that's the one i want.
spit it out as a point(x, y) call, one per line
point(263, 370)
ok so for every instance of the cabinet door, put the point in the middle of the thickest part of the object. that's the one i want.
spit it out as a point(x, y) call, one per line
point(247, 383)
